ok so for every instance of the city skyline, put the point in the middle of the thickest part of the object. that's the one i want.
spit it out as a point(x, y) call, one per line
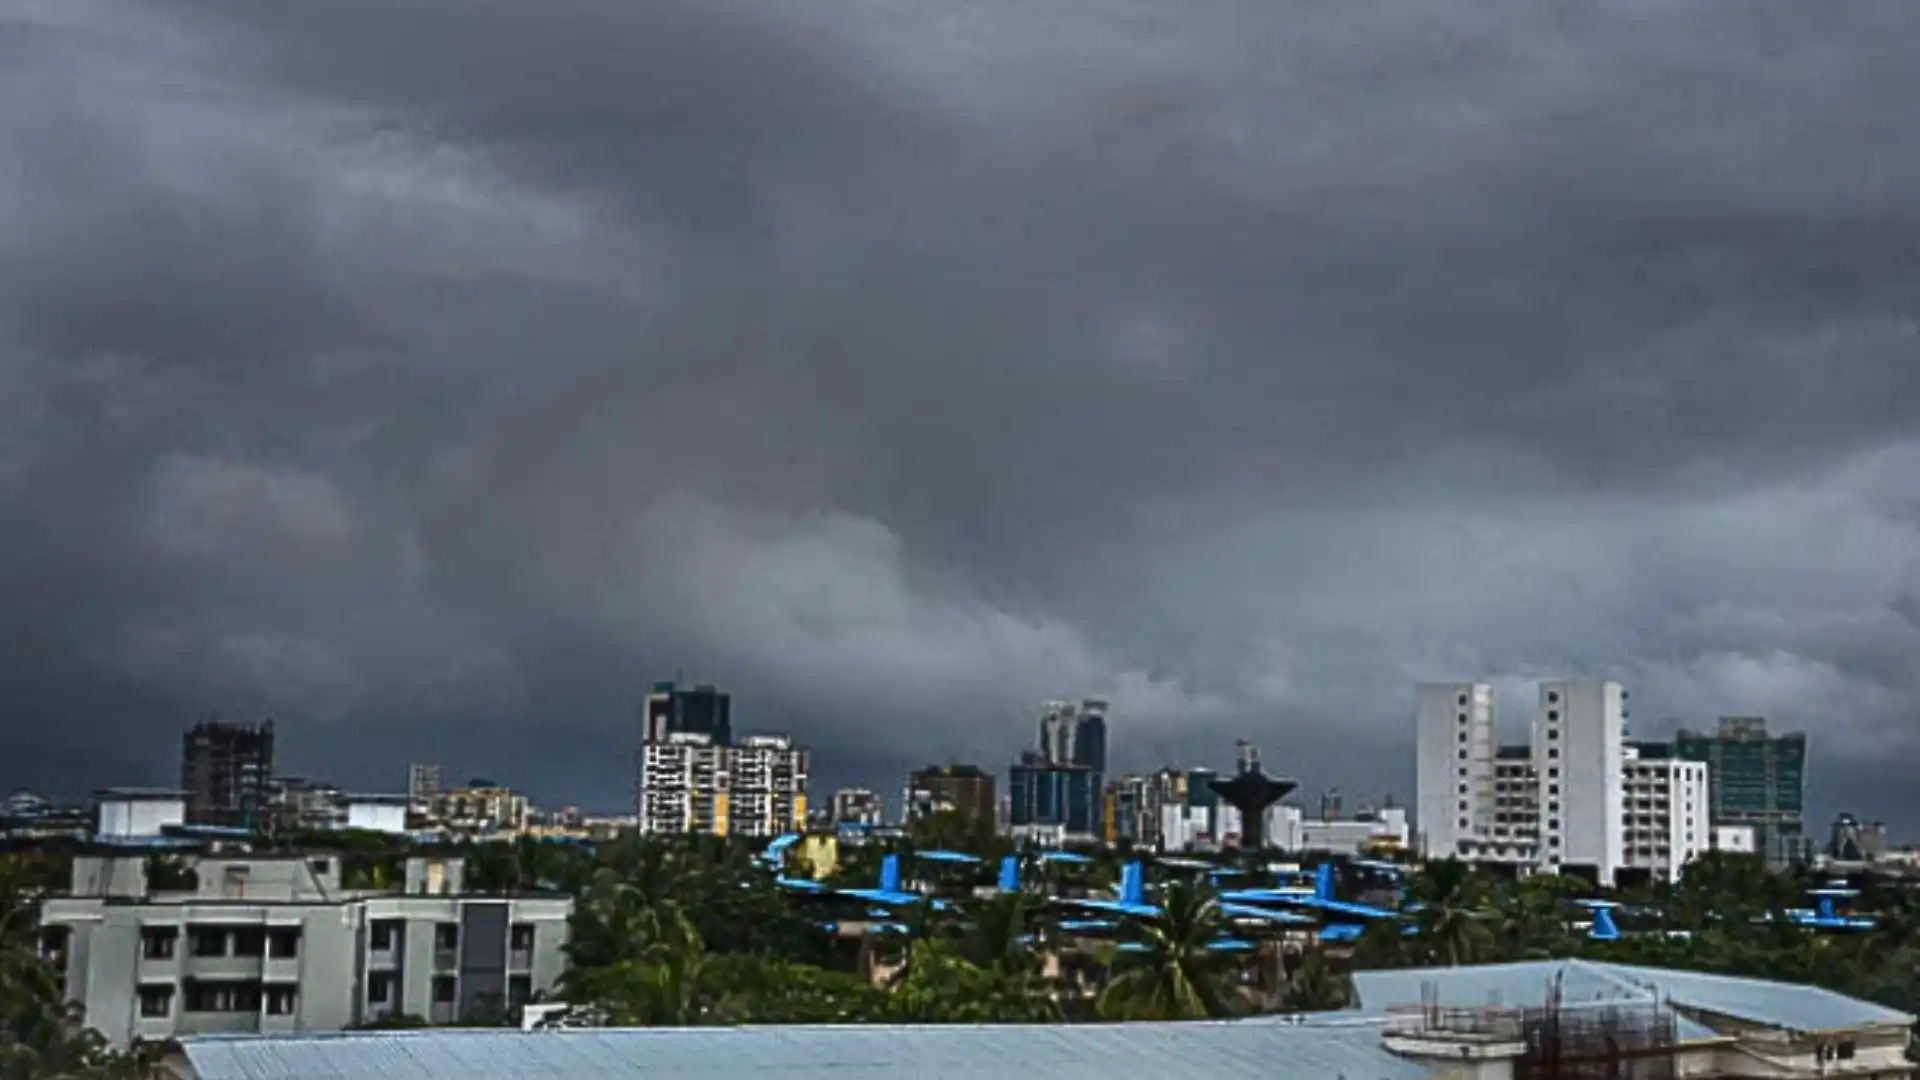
point(1240, 363)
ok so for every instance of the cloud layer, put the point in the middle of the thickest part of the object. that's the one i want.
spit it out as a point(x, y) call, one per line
point(435, 376)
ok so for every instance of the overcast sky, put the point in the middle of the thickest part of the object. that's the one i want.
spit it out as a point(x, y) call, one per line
point(434, 375)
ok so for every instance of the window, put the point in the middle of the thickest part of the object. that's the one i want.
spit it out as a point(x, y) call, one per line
point(1553, 697)
point(250, 941)
point(1463, 736)
point(1553, 734)
point(1463, 699)
point(519, 990)
point(521, 937)
point(1553, 715)
point(446, 936)
point(1553, 789)
point(320, 866)
point(1463, 806)
point(156, 1002)
point(281, 1000)
point(1463, 772)
point(159, 943)
point(1463, 755)
point(207, 941)
point(380, 988)
point(283, 941)
point(1553, 773)
point(1463, 791)
point(384, 935)
point(1465, 824)
point(222, 997)
point(1553, 823)
point(443, 990)
point(1553, 751)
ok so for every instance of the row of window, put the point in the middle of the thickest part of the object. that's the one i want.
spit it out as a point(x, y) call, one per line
point(383, 990)
point(274, 999)
point(385, 935)
point(278, 942)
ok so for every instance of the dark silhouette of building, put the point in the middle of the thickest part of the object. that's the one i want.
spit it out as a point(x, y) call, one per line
point(701, 710)
point(226, 771)
point(964, 788)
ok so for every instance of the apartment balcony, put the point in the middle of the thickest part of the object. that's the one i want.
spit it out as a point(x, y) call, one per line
point(446, 959)
point(233, 968)
point(281, 969)
point(382, 959)
point(218, 1023)
point(520, 960)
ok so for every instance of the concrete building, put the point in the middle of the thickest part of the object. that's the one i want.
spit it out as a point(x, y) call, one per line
point(1075, 733)
point(225, 770)
point(1668, 815)
point(856, 806)
point(128, 812)
point(699, 710)
point(482, 808)
point(1757, 779)
point(275, 945)
point(968, 789)
point(377, 813)
point(768, 786)
point(1052, 803)
point(1455, 746)
point(1561, 802)
point(424, 781)
point(1366, 831)
point(303, 804)
point(691, 784)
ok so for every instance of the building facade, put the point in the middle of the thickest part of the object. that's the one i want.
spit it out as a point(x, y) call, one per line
point(691, 784)
point(276, 945)
point(1053, 803)
point(1757, 779)
point(1572, 800)
point(424, 781)
point(698, 710)
point(1075, 733)
point(856, 806)
point(968, 789)
point(226, 770)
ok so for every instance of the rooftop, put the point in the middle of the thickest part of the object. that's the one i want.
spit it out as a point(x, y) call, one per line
point(1267, 1049)
point(1754, 1001)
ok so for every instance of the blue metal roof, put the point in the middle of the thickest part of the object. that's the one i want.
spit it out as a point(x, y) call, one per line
point(1295, 899)
point(1247, 911)
point(889, 897)
point(1257, 1049)
point(1063, 857)
point(1140, 911)
point(947, 856)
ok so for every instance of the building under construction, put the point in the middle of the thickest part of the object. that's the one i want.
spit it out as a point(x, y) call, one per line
point(1602, 1040)
point(225, 769)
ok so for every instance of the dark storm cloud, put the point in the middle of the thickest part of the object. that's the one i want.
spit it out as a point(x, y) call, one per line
point(435, 375)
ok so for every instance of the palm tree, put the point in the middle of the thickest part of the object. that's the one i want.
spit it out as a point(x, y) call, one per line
point(1317, 986)
point(1172, 972)
point(1451, 927)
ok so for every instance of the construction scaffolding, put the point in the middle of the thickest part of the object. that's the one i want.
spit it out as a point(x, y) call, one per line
point(1601, 1040)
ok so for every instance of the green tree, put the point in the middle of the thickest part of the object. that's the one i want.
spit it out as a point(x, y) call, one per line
point(1172, 972)
point(1450, 917)
point(1317, 985)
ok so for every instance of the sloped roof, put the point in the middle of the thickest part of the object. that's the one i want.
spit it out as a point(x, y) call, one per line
point(1756, 1001)
point(1243, 1050)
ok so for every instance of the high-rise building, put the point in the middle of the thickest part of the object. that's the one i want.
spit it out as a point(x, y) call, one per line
point(1075, 733)
point(1667, 814)
point(1558, 804)
point(691, 784)
point(683, 785)
point(1131, 813)
point(767, 786)
point(964, 788)
point(1053, 803)
point(1756, 780)
point(225, 769)
point(424, 781)
point(1455, 746)
point(699, 710)
point(856, 806)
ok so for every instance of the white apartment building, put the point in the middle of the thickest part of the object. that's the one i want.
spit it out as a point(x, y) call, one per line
point(1576, 798)
point(690, 784)
point(1289, 829)
point(276, 945)
point(857, 806)
point(1667, 818)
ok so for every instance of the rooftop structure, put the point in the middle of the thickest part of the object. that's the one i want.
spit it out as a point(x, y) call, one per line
point(1251, 791)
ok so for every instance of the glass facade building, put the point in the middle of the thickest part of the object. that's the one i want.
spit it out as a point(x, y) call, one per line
point(1754, 779)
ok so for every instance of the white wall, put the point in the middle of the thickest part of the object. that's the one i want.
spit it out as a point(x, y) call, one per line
point(1735, 839)
point(1455, 739)
point(386, 817)
point(145, 816)
point(1578, 754)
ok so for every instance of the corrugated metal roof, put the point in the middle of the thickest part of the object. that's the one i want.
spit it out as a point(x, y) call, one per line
point(1757, 1001)
point(1246, 1050)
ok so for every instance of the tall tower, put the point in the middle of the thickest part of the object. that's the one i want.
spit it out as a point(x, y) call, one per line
point(1455, 736)
point(225, 770)
point(1251, 791)
point(1579, 762)
point(1075, 733)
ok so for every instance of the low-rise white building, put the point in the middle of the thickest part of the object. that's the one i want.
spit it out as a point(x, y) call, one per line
point(1290, 830)
point(276, 945)
point(130, 811)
